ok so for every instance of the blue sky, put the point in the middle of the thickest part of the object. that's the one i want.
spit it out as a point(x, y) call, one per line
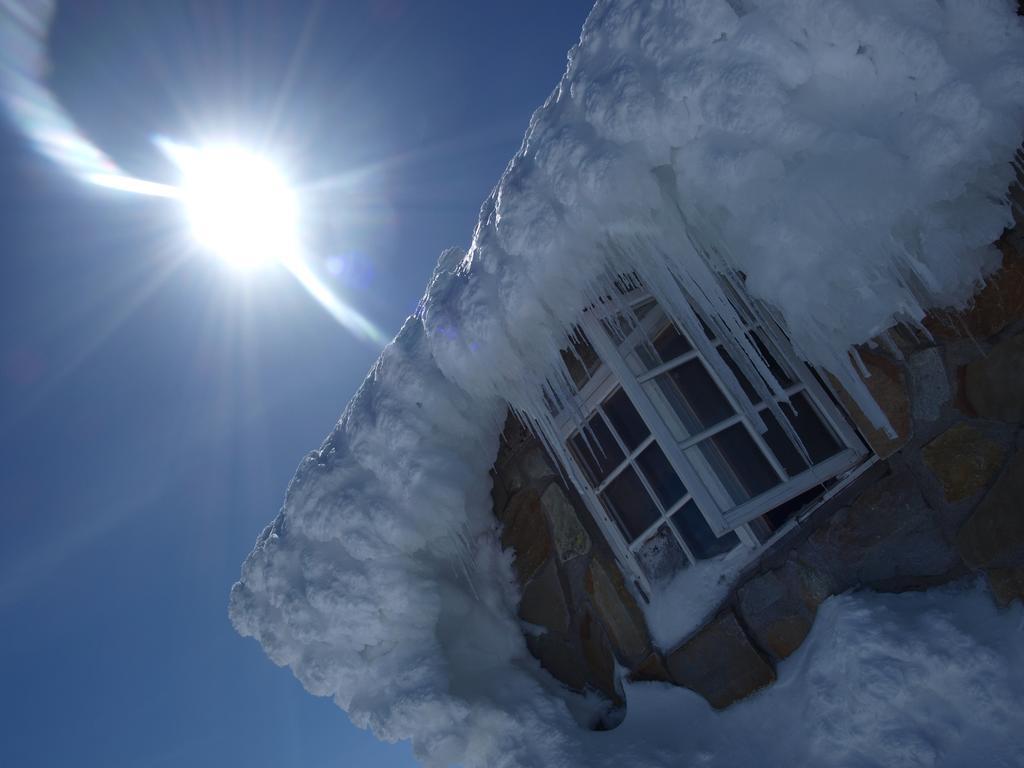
point(153, 404)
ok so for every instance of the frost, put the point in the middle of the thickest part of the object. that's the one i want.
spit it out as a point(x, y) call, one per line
point(843, 163)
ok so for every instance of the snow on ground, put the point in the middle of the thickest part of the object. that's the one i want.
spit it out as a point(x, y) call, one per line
point(918, 679)
point(851, 158)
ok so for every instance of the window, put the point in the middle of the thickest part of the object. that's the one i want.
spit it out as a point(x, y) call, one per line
point(676, 469)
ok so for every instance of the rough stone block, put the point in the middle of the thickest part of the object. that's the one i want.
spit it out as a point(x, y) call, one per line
point(526, 533)
point(887, 538)
point(930, 385)
point(993, 536)
point(963, 460)
point(599, 658)
point(651, 670)
point(530, 466)
point(778, 607)
point(571, 538)
point(996, 306)
point(543, 602)
point(994, 385)
point(887, 383)
point(561, 657)
point(1007, 584)
point(618, 611)
point(720, 663)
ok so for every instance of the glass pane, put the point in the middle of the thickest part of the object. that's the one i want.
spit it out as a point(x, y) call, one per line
point(660, 475)
point(596, 450)
point(628, 501)
point(698, 534)
point(695, 398)
point(580, 360)
point(748, 388)
point(773, 365)
point(625, 419)
point(738, 463)
point(670, 344)
point(661, 557)
point(782, 446)
point(817, 438)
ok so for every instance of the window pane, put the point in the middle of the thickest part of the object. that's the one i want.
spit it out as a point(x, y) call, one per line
point(660, 475)
point(661, 557)
point(817, 438)
point(596, 450)
point(625, 419)
point(698, 535)
point(782, 446)
point(748, 388)
point(670, 344)
point(694, 397)
point(738, 463)
point(580, 360)
point(628, 501)
point(784, 379)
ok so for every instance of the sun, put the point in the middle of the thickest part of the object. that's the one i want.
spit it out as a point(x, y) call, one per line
point(239, 206)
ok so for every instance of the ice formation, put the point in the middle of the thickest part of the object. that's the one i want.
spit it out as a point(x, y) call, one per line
point(848, 161)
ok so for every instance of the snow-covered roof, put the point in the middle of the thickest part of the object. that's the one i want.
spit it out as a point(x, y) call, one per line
point(850, 158)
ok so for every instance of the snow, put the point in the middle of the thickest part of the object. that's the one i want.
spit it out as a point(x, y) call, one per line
point(684, 602)
point(851, 159)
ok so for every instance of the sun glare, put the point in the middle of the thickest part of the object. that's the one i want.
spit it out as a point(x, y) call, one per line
point(239, 205)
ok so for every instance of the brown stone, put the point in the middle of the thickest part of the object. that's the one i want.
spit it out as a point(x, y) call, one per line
point(963, 460)
point(561, 657)
point(600, 660)
point(618, 611)
point(570, 537)
point(993, 536)
point(887, 384)
point(720, 663)
point(651, 670)
point(994, 385)
point(997, 305)
point(778, 607)
point(526, 534)
point(888, 538)
point(1007, 584)
point(543, 603)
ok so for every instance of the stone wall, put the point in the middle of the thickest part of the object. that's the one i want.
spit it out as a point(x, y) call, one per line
point(945, 504)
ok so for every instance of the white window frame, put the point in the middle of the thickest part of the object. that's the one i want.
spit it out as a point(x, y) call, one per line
point(721, 514)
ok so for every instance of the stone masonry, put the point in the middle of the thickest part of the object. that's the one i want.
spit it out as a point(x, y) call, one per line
point(946, 503)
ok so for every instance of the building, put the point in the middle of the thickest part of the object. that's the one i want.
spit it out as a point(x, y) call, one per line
point(711, 357)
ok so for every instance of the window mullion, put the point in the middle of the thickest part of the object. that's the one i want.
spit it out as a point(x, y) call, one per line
point(665, 367)
point(734, 402)
point(610, 354)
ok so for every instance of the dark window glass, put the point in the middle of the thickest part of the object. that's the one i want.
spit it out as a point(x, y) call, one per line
point(782, 446)
point(596, 450)
point(817, 438)
point(777, 370)
point(780, 514)
point(748, 388)
point(739, 463)
point(694, 396)
point(629, 503)
point(698, 535)
point(660, 475)
point(661, 557)
point(580, 360)
point(625, 419)
point(670, 344)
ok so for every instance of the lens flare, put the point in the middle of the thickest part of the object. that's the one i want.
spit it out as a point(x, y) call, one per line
point(240, 207)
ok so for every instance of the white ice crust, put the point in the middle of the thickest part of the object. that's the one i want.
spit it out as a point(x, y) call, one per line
point(848, 161)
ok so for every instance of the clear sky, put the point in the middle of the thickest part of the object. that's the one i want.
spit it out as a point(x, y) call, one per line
point(153, 405)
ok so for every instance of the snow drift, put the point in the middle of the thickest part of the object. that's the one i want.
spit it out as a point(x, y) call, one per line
point(847, 161)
